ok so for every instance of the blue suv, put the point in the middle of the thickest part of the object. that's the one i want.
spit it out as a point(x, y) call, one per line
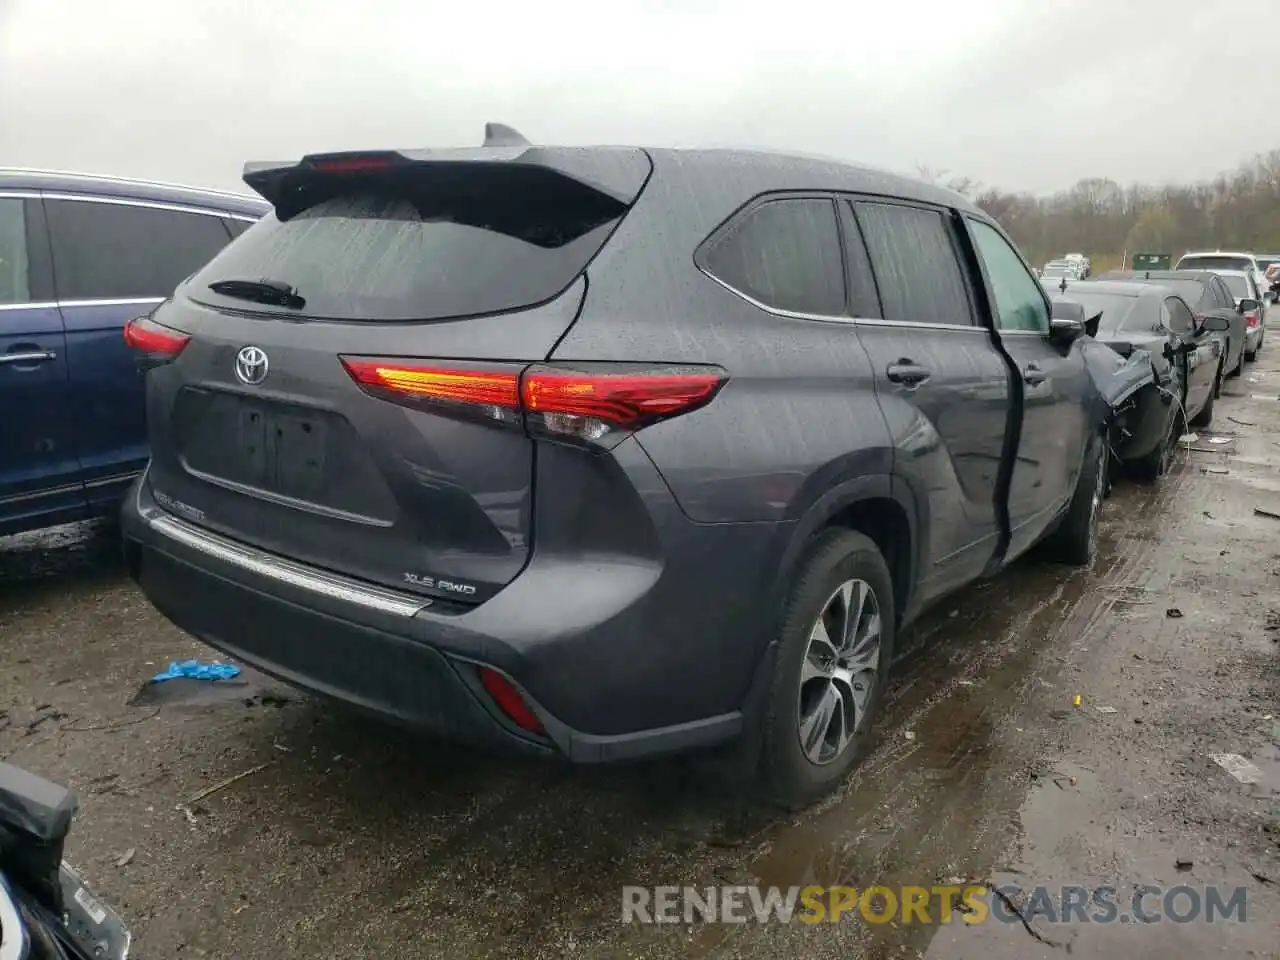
point(79, 257)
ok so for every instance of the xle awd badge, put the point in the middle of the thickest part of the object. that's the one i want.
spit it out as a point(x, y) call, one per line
point(251, 365)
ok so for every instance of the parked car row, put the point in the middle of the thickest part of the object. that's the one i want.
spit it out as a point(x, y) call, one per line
point(1188, 324)
point(1074, 266)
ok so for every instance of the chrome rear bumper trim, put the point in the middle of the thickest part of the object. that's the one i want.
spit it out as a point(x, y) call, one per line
point(287, 571)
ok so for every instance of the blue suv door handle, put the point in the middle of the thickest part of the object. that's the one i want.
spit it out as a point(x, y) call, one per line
point(28, 357)
point(908, 372)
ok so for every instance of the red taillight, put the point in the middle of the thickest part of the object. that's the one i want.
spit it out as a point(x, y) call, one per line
point(456, 385)
point(509, 701)
point(590, 402)
point(626, 400)
point(1251, 318)
point(147, 336)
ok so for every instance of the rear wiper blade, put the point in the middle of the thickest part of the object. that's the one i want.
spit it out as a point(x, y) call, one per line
point(275, 292)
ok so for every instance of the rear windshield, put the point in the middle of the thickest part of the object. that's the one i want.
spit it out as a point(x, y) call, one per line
point(1238, 286)
point(1117, 311)
point(416, 248)
point(1208, 262)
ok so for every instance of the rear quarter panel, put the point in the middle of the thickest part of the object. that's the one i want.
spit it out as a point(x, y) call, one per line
point(798, 413)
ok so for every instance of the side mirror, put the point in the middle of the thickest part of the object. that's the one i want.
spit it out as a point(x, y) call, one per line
point(1247, 304)
point(1269, 296)
point(1217, 324)
point(1067, 322)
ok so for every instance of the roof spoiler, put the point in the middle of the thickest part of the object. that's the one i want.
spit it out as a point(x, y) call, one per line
point(617, 172)
point(501, 135)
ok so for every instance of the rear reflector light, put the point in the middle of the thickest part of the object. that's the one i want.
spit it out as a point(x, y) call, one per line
point(147, 336)
point(592, 403)
point(1251, 318)
point(509, 701)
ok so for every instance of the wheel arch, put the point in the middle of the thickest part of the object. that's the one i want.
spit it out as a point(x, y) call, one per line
point(877, 506)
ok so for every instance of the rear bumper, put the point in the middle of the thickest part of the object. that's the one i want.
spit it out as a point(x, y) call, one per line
point(615, 669)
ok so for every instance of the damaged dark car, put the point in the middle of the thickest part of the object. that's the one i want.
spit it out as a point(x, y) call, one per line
point(46, 911)
point(601, 453)
point(1186, 353)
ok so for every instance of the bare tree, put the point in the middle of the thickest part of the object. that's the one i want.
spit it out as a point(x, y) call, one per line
point(1239, 209)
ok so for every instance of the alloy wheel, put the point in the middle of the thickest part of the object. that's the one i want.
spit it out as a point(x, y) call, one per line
point(840, 668)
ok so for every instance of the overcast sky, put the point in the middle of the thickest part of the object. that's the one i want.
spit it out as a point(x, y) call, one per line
point(1013, 93)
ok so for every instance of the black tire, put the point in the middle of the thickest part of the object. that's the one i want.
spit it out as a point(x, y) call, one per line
point(788, 777)
point(1159, 461)
point(1205, 417)
point(1075, 541)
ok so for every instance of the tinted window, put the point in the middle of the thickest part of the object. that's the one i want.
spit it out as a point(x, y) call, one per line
point(863, 299)
point(1225, 299)
point(14, 274)
point(236, 227)
point(1117, 310)
point(1192, 291)
point(1214, 262)
point(423, 246)
point(915, 264)
point(1179, 318)
point(105, 251)
point(1239, 286)
point(1020, 303)
point(786, 255)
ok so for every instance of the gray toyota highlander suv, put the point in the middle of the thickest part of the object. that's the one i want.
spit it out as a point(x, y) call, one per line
point(604, 452)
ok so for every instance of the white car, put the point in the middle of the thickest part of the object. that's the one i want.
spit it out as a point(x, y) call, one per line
point(1083, 262)
point(1218, 260)
point(1244, 286)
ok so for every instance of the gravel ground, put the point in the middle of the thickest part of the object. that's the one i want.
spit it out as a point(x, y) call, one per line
point(346, 838)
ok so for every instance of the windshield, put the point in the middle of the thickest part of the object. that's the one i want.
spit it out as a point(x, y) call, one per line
point(1115, 308)
point(1238, 285)
point(1214, 262)
point(1055, 271)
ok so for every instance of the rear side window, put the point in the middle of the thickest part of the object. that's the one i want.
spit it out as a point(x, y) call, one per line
point(14, 273)
point(114, 251)
point(1180, 319)
point(423, 245)
point(915, 264)
point(1238, 285)
point(784, 254)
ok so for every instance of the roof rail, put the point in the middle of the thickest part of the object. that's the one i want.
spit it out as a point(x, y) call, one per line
point(104, 178)
point(501, 135)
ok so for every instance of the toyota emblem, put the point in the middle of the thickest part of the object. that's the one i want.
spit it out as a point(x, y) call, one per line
point(251, 365)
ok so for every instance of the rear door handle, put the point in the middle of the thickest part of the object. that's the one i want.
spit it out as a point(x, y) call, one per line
point(908, 372)
point(33, 356)
point(1033, 374)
